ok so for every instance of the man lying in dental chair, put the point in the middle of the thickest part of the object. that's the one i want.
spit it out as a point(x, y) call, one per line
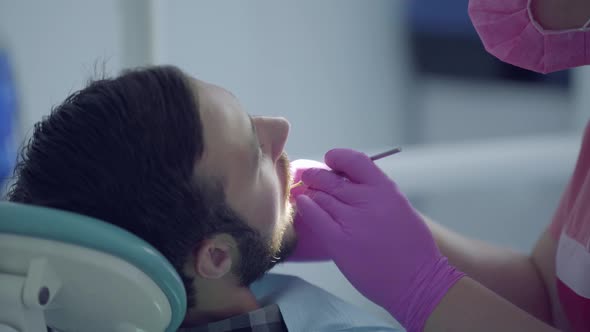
point(177, 162)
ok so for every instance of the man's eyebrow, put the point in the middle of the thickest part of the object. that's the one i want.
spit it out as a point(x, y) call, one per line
point(254, 142)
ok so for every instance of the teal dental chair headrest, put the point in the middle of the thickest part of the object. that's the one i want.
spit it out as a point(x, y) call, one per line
point(55, 228)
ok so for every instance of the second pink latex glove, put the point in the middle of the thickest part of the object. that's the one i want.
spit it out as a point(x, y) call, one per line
point(306, 250)
point(375, 237)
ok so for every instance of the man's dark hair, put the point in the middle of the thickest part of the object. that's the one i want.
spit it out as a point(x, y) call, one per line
point(124, 150)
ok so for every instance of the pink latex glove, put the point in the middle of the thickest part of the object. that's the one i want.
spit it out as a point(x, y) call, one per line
point(375, 237)
point(306, 250)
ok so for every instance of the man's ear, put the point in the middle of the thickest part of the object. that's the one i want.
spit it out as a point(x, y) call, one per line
point(215, 257)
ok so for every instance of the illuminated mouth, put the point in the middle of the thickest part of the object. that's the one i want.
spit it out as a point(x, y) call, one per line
point(295, 185)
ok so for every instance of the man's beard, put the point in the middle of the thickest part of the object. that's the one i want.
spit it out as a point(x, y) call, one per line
point(259, 254)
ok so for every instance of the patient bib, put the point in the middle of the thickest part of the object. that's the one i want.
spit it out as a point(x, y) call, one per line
point(307, 308)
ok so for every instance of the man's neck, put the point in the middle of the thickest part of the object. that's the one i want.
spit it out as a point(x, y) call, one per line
point(219, 303)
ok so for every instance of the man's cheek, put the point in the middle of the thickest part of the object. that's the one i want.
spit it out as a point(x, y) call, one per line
point(268, 208)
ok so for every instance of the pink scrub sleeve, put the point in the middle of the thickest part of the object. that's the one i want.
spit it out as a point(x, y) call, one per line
point(571, 229)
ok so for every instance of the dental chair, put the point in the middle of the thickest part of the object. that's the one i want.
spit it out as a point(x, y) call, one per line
point(61, 271)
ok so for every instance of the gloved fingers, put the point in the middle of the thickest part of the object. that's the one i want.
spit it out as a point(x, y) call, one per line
point(332, 205)
point(296, 191)
point(315, 219)
point(330, 182)
point(309, 247)
point(300, 165)
point(357, 166)
point(297, 168)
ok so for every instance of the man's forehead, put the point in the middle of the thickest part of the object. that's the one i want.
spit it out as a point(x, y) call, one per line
point(225, 126)
point(212, 93)
point(217, 106)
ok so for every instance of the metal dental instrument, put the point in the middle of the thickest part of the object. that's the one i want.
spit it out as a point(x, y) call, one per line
point(385, 154)
point(373, 158)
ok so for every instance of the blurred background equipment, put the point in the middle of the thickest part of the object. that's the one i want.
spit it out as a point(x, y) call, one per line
point(8, 108)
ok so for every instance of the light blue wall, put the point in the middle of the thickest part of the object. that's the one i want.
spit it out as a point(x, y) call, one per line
point(334, 68)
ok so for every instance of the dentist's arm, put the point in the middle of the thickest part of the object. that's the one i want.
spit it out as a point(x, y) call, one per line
point(468, 306)
point(519, 281)
point(384, 248)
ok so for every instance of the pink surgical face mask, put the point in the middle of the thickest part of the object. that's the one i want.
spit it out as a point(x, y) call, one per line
point(509, 32)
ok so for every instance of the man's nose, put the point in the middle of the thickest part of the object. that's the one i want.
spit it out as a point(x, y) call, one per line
point(276, 130)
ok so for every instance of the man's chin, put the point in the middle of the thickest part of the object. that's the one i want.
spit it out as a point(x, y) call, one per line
point(279, 249)
point(288, 244)
point(289, 238)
